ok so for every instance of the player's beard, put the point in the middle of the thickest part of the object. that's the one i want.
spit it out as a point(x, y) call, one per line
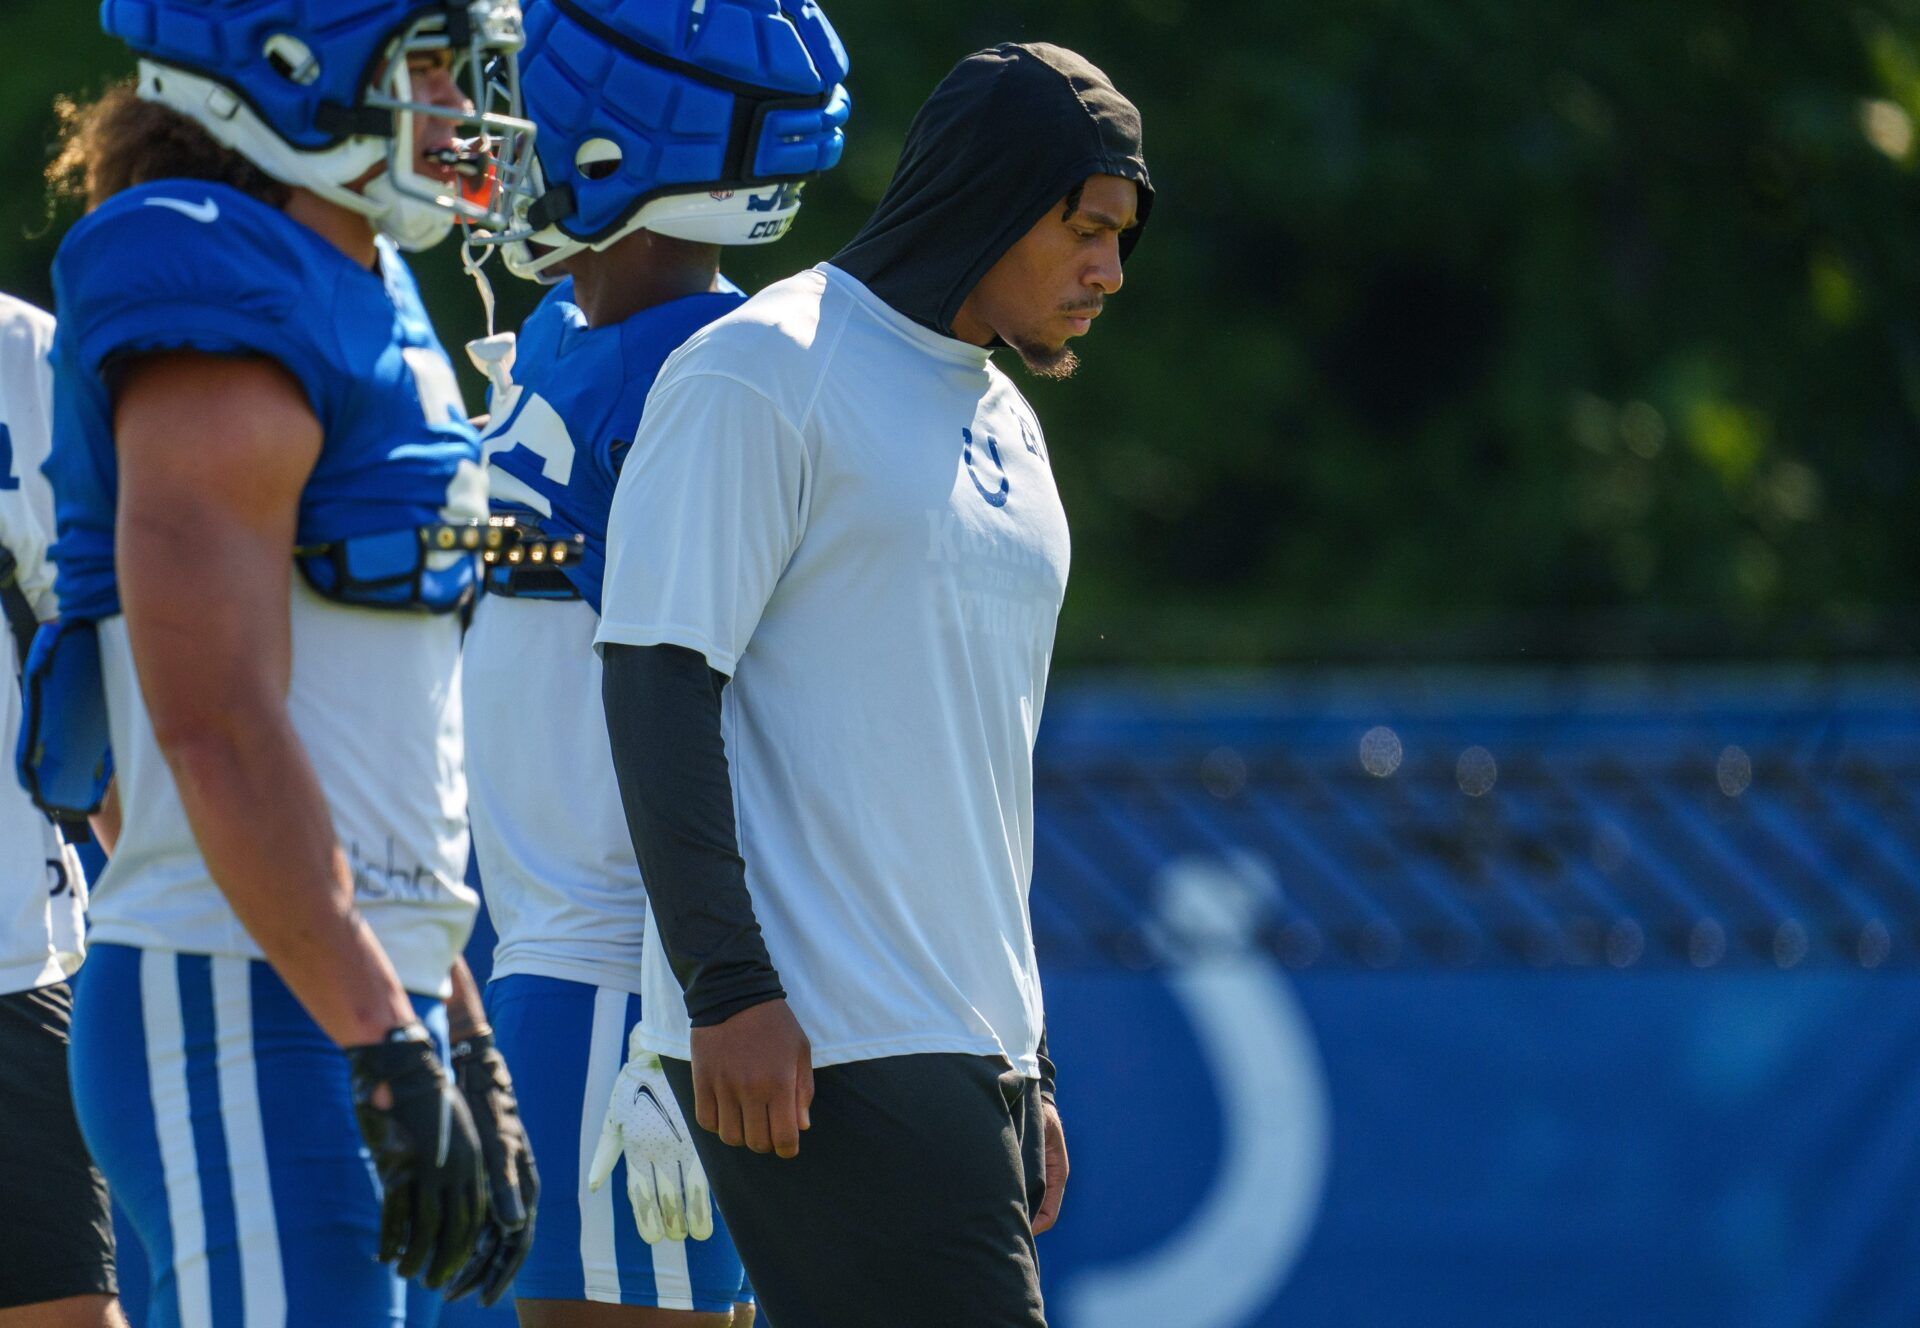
point(1053, 362)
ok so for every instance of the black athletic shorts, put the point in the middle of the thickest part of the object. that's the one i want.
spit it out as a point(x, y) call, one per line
point(56, 1229)
point(911, 1201)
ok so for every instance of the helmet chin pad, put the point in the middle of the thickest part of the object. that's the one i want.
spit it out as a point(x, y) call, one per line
point(411, 223)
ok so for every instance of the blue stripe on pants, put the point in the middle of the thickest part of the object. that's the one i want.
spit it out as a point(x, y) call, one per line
point(221, 1116)
point(194, 974)
point(564, 1043)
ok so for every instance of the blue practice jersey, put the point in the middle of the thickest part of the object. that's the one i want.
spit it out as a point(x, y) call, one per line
point(549, 834)
point(190, 265)
point(374, 694)
point(557, 440)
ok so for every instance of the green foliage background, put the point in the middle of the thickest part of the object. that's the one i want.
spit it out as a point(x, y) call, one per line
point(1466, 328)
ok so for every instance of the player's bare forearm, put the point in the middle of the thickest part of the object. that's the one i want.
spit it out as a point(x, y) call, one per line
point(213, 456)
point(105, 823)
point(466, 1015)
point(261, 822)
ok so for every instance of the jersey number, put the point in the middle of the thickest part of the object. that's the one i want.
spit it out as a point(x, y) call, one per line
point(532, 455)
point(8, 480)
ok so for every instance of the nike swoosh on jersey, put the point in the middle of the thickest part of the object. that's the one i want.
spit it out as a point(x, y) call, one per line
point(206, 210)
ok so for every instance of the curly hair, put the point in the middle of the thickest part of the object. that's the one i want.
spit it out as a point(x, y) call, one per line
point(119, 141)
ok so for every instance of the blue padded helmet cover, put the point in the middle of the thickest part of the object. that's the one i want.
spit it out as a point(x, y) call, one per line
point(225, 40)
point(673, 88)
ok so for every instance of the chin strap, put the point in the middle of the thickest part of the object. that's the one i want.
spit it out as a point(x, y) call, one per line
point(475, 268)
point(492, 354)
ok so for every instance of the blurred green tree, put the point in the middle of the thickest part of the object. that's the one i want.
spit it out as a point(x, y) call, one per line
point(1477, 328)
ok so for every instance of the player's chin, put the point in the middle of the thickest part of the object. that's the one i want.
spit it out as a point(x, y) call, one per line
point(1046, 359)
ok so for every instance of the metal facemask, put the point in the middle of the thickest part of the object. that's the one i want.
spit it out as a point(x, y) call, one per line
point(492, 150)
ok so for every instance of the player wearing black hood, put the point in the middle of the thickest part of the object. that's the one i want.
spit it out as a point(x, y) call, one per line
point(1021, 159)
point(837, 534)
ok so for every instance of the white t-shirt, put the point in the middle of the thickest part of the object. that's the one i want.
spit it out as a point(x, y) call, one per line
point(560, 877)
point(854, 517)
point(43, 896)
point(375, 699)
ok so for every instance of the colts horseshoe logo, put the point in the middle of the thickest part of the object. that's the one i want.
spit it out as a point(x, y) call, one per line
point(994, 498)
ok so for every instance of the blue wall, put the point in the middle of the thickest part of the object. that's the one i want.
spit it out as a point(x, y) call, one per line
point(1597, 1004)
point(1500, 1149)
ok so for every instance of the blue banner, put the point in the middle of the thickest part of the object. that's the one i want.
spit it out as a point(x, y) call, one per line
point(1486, 1149)
point(1494, 1002)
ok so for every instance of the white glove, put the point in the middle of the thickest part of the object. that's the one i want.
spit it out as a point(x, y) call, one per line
point(665, 1182)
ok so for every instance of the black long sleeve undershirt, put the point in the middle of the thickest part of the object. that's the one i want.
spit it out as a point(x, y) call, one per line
point(663, 719)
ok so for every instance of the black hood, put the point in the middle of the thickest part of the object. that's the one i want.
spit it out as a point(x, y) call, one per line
point(1004, 137)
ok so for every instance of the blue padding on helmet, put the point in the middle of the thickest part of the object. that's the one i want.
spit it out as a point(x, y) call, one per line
point(822, 42)
point(746, 92)
point(225, 40)
point(803, 142)
point(765, 44)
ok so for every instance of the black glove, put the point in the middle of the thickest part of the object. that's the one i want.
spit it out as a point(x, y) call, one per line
point(513, 1186)
point(425, 1149)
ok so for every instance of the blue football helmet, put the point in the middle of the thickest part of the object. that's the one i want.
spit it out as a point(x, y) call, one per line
point(698, 119)
point(317, 94)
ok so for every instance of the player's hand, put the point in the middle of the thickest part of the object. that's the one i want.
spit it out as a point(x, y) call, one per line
point(513, 1186)
point(753, 1079)
point(666, 1184)
point(1056, 1164)
point(425, 1151)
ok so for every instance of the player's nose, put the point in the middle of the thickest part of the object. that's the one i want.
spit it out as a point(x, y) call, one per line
point(1105, 275)
point(438, 87)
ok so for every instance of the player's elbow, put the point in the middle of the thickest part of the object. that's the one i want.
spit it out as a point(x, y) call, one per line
point(204, 738)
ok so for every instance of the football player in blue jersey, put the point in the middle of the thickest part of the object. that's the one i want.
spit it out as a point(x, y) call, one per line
point(667, 129)
point(246, 386)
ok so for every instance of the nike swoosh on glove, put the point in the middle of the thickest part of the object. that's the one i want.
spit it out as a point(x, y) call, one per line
point(513, 1185)
point(666, 1184)
point(424, 1147)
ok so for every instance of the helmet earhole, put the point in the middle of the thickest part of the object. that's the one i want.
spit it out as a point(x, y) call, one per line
point(598, 158)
